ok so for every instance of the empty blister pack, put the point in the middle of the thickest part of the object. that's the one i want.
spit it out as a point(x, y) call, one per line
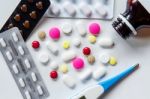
point(21, 65)
point(26, 16)
point(95, 9)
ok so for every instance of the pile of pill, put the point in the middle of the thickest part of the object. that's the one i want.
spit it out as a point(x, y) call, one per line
point(99, 9)
point(83, 63)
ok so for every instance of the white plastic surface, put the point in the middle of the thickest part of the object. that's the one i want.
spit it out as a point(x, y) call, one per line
point(127, 52)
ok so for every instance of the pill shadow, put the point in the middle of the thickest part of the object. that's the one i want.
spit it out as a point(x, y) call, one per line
point(111, 89)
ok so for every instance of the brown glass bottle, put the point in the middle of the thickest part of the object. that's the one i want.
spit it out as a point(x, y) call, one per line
point(135, 17)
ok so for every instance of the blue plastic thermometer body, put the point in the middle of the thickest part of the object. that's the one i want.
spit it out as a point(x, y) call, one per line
point(96, 91)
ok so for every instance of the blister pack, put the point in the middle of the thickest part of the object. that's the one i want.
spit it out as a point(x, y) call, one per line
point(21, 65)
point(95, 9)
point(26, 16)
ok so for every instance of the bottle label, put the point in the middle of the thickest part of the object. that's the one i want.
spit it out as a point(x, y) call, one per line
point(146, 4)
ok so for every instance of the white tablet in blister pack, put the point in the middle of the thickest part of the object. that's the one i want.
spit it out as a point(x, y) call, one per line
point(21, 65)
point(94, 9)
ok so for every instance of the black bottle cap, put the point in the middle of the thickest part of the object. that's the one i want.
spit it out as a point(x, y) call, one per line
point(122, 29)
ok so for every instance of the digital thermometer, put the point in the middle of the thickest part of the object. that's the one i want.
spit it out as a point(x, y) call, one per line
point(96, 91)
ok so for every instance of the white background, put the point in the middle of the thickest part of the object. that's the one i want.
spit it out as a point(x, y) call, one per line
point(129, 52)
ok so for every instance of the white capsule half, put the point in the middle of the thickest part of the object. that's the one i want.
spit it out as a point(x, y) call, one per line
point(99, 72)
point(106, 42)
point(68, 56)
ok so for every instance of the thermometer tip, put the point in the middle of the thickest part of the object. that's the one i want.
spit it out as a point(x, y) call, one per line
point(136, 66)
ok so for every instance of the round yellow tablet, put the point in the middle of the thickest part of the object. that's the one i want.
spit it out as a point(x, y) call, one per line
point(66, 44)
point(113, 61)
point(91, 39)
point(63, 68)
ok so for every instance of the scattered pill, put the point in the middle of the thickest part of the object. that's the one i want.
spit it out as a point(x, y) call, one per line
point(21, 82)
point(9, 56)
point(66, 44)
point(68, 56)
point(91, 59)
point(53, 74)
point(40, 90)
point(78, 63)
point(85, 75)
point(104, 58)
point(27, 94)
point(70, 9)
point(44, 58)
point(15, 37)
point(54, 65)
point(69, 81)
point(92, 39)
point(94, 29)
point(99, 72)
point(54, 33)
point(35, 44)
point(106, 42)
point(34, 77)
point(112, 61)
point(86, 51)
point(67, 28)
point(2, 42)
point(42, 35)
point(63, 68)
point(81, 28)
point(77, 42)
point(21, 50)
point(27, 63)
point(15, 69)
point(52, 48)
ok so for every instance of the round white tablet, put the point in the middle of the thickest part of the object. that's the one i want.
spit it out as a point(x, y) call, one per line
point(54, 65)
point(77, 42)
point(104, 58)
point(69, 81)
point(44, 58)
point(67, 28)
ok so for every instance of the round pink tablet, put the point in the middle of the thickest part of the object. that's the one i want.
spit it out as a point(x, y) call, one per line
point(78, 63)
point(54, 33)
point(94, 28)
